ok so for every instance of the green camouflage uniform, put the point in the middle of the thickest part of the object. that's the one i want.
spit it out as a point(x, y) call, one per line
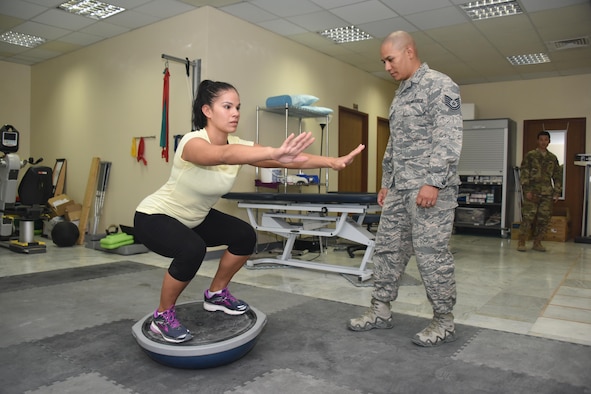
point(423, 148)
point(540, 175)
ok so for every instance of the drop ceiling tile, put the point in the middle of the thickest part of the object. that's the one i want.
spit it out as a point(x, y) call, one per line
point(285, 8)
point(8, 22)
point(104, 29)
point(63, 19)
point(6, 48)
point(248, 12)
point(429, 52)
point(213, 3)
point(412, 7)
point(335, 50)
point(571, 56)
point(317, 21)
point(41, 30)
point(368, 11)
point(59, 46)
point(367, 48)
point(576, 71)
point(21, 9)
point(491, 66)
point(312, 39)
point(380, 29)
point(454, 35)
point(504, 39)
point(437, 18)
point(514, 24)
point(547, 74)
point(537, 5)
point(164, 8)
point(329, 4)
point(19, 60)
point(519, 47)
point(564, 23)
point(47, 3)
point(40, 53)
point(282, 26)
point(127, 4)
point(132, 19)
point(80, 38)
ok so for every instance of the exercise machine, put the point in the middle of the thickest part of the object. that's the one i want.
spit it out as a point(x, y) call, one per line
point(30, 208)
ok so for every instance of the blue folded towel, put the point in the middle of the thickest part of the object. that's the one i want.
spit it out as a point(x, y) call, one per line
point(296, 100)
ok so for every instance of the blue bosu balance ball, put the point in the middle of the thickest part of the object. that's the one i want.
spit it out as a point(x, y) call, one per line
point(218, 338)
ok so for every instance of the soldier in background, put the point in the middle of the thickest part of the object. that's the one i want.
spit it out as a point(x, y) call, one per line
point(419, 191)
point(541, 183)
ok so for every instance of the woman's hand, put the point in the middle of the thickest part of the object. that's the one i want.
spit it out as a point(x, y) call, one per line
point(291, 149)
point(342, 162)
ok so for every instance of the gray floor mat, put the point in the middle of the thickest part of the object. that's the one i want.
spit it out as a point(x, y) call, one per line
point(305, 347)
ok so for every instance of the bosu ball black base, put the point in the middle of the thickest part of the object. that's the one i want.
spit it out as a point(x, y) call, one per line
point(218, 339)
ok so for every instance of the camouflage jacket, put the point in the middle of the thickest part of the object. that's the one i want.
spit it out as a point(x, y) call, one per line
point(425, 133)
point(541, 174)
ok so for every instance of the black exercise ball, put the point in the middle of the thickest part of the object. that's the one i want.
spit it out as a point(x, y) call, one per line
point(65, 234)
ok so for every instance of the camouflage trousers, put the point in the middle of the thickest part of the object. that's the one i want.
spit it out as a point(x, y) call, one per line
point(536, 215)
point(406, 229)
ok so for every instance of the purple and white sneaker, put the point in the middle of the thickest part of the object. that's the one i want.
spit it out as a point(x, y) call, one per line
point(224, 302)
point(167, 325)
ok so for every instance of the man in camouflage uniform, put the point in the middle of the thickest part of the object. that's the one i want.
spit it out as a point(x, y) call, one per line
point(419, 191)
point(541, 184)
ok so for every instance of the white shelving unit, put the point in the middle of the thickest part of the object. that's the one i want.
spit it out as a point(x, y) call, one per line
point(299, 114)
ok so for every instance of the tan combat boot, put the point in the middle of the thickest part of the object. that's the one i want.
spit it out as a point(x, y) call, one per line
point(538, 245)
point(521, 243)
point(378, 315)
point(439, 331)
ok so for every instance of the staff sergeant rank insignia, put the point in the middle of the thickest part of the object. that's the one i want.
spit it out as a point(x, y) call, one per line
point(453, 104)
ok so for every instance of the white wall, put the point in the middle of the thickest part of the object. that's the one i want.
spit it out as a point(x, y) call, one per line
point(15, 102)
point(548, 98)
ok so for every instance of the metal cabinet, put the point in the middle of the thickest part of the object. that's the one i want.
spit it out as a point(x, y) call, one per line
point(487, 194)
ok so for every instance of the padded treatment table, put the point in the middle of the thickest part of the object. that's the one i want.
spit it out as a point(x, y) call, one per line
point(324, 215)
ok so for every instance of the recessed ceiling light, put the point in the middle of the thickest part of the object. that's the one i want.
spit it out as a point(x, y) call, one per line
point(485, 9)
point(345, 34)
point(533, 58)
point(24, 40)
point(91, 8)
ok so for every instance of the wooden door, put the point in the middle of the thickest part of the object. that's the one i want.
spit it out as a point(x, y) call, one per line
point(383, 134)
point(353, 130)
point(574, 178)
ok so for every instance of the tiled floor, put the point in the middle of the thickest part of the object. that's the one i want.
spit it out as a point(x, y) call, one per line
point(541, 294)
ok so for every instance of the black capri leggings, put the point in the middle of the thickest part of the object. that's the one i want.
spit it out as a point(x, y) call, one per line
point(168, 237)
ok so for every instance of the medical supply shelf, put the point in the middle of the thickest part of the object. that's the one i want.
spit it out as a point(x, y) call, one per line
point(487, 193)
point(298, 113)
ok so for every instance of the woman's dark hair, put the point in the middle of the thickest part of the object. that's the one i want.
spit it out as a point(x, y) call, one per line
point(207, 92)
